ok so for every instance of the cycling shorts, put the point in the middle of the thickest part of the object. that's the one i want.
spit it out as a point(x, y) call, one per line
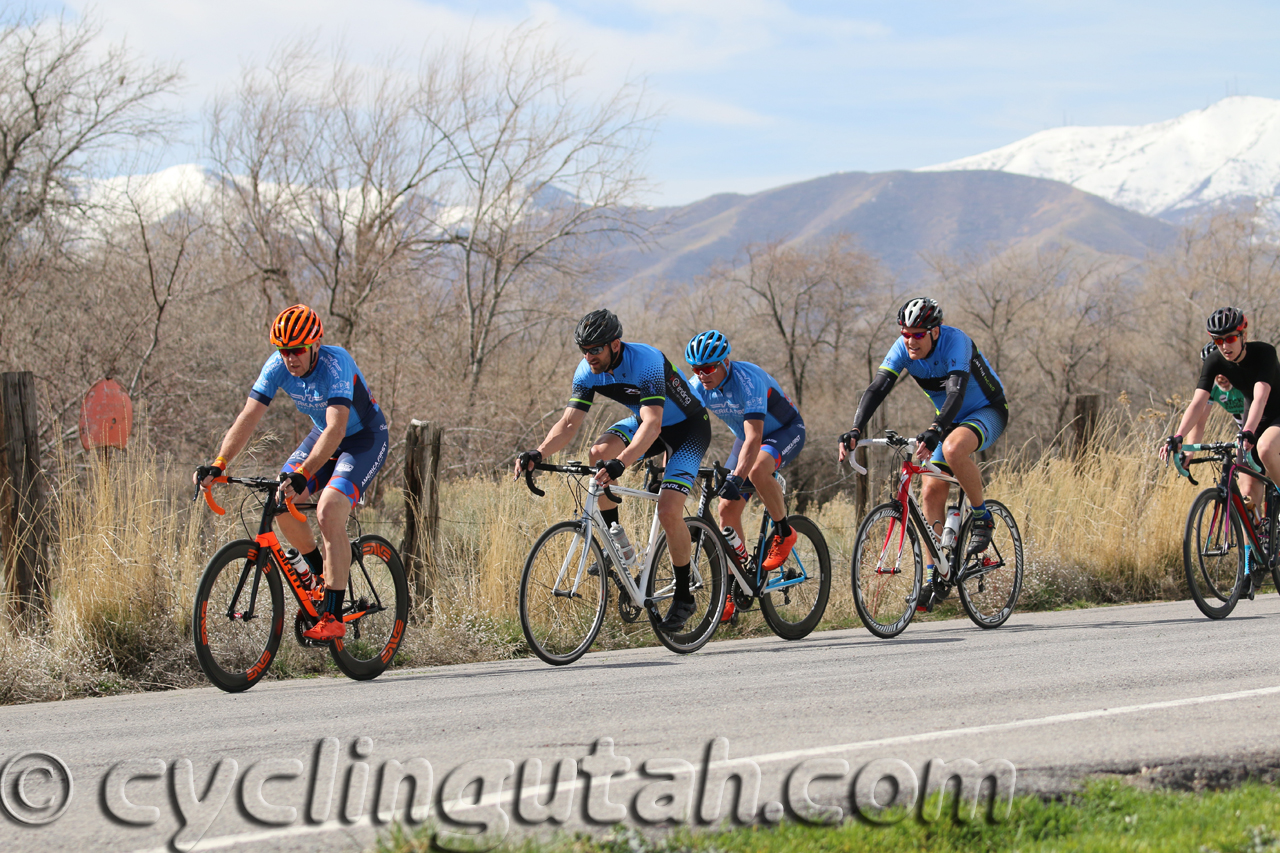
point(685, 443)
point(987, 423)
point(783, 444)
point(352, 466)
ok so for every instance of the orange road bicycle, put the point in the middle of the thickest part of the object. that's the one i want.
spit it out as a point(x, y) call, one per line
point(238, 618)
point(888, 565)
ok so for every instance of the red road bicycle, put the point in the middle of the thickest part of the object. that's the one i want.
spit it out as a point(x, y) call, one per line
point(238, 618)
point(888, 564)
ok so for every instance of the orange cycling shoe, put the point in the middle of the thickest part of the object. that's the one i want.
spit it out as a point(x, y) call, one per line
point(779, 550)
point(327, 628)
point(729, 609)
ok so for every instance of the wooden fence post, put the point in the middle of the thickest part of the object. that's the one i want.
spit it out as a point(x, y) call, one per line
point(421, 506)
point(24, 521)
point(1088, 407)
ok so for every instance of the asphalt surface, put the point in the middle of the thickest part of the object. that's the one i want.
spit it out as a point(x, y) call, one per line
point(1153, 688)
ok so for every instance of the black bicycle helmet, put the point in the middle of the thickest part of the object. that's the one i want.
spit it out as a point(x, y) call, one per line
point(1224, 321)
point(598, 327)
point(920, 313)
point(1206, 350)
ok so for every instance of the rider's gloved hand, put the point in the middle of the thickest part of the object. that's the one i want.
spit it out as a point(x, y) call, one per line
point(203, 472)
point(528, 458)
point(1172, 445)
point(731, 488)
point(850, 438)
point(297, 479)
point(930, 438)
point(1247, 439)
point(613, 468)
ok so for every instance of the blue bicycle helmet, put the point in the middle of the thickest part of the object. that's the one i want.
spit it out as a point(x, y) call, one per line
point(707, 347)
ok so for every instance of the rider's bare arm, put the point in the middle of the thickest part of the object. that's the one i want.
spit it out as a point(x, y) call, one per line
point(646, 434)
point(750, 451)
point(237, 438)
point(1261, 391)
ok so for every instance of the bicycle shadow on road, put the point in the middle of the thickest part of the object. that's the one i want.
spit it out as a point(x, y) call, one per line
point(1123, 624)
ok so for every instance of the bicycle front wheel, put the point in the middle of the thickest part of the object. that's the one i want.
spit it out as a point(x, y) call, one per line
point(238, 617)
point(991, 581)
point(376, 609)
point(563, 593)
point(1213, 554)
point(706, 582)
point(793, 611)
point(887, 569)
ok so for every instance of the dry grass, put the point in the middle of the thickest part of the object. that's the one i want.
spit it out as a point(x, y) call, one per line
point(130, 546)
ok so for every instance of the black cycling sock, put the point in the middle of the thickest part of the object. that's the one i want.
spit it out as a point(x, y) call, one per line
point(782, 528)
point(316, 561)
point(682, 583)
point(610, 516)
point(333, 599)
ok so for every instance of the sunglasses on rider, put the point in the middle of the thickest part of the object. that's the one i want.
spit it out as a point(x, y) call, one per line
point(594, 350)
point(1226, 339)
point(705, 369)
point(293, 351)
point(915, 336)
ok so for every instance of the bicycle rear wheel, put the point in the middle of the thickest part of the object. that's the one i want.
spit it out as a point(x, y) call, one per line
point(706, 582)
point(1213, 554)
point(793, 611)
point(377, 589)
point(237, 619)
point(562, 603)
point(885, 590)
point(991, 581)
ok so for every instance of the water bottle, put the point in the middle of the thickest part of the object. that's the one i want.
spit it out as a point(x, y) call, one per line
point(952, 528)
point(624, 544)
point(735, 542)
point(300, 568)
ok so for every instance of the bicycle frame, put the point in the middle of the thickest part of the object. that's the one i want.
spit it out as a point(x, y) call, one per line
point(591, 518)
point(717, 473)
point(909, 470)
point(1234, 461)
point(268, 551)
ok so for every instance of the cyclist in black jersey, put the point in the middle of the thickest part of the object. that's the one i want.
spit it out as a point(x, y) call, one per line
point(1251, 367)
point(666, 418)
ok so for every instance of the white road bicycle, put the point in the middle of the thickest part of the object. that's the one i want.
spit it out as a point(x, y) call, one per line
point(564, 589)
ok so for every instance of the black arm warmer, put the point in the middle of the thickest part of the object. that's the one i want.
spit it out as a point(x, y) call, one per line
point(872, 398)
point(956, 383)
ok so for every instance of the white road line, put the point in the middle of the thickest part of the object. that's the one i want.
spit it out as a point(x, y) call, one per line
point(790, 755)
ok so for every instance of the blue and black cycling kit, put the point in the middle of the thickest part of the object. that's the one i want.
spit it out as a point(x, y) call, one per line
point(749, 393)
point(956, 377)
point(642, 376)
point(333, 381)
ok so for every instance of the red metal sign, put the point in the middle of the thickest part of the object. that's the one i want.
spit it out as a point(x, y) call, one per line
point(106, 416)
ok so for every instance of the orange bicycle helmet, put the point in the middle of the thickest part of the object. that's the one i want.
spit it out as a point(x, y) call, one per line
point(296, 326)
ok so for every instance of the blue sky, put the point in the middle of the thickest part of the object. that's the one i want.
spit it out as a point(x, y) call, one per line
point(758, 93)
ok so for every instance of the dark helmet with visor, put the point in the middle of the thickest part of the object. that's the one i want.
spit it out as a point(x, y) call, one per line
point(1224, 321)
point(598, 327)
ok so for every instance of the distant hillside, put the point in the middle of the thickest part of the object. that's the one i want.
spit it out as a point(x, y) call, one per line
point(1224, 155)
point(897, 216)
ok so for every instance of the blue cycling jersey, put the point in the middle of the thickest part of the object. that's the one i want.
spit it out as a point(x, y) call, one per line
point(334, 381)
point(747, 393)
point(642, 377)
point(953, 352)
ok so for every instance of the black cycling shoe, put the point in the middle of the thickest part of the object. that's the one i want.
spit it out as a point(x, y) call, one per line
point(980, 535)
point(681, 610)
point(932, 592)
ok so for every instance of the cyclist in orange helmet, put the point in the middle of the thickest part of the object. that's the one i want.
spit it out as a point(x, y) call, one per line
point(335, 462)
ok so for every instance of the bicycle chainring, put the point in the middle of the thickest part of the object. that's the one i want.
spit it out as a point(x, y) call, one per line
point(303, 622)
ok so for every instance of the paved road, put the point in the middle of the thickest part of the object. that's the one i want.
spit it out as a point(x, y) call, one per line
point(1055, 694)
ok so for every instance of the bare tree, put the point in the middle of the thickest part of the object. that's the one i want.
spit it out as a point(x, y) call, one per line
point(544, 182)
point(63, 107)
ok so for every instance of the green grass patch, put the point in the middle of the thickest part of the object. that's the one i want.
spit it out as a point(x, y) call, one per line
point(1105, 816)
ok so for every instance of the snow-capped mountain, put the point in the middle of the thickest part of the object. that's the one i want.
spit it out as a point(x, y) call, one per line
point(1225, 154)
